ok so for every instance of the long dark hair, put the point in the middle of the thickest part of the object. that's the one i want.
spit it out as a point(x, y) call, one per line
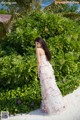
point(44, 46)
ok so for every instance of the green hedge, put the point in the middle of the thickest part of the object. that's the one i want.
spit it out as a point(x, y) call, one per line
point(18, 61)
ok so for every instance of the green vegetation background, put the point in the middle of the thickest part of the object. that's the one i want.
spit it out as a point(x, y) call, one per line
point(19, 87)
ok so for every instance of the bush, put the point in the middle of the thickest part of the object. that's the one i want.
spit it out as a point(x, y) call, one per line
point(22, 99)
point(16, 71)
point(2, 30)
point(73, 16)
point(59, 8)
point(18, 59)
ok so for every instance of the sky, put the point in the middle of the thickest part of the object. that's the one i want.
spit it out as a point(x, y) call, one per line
point(4, 7)
point(44, 4)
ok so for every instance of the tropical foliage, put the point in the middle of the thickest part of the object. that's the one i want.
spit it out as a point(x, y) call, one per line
point(19, 87)
point(73, 16)
point(59, 8)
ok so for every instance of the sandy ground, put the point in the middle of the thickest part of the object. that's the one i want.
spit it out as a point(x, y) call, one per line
point(72, 111)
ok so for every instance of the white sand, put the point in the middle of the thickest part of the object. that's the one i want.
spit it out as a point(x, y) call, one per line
point(72, 111)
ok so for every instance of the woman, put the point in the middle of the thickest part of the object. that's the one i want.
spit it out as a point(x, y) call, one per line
point(52, 100)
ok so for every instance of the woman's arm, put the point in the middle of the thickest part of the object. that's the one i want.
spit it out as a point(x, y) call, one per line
point(38, 58)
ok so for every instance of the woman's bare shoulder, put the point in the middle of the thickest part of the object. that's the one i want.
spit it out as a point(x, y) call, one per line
point(39, 48)
point(41, 51)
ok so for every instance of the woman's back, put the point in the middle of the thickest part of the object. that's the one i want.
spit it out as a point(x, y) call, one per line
point(42, 52)
point(43, 56)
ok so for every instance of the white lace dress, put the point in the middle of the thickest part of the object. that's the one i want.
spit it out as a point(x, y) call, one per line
point(52, 100)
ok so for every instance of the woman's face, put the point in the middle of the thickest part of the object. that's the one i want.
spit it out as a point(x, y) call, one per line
point(38, 44)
